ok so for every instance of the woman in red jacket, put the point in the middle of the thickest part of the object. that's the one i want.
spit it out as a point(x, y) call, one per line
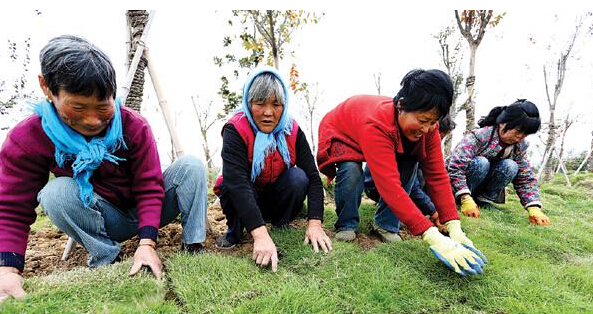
point(394, 137)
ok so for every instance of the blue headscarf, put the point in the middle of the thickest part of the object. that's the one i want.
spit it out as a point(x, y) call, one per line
point(267, 143)
point(71, 145)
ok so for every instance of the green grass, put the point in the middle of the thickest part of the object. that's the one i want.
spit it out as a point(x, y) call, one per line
point(532, 270)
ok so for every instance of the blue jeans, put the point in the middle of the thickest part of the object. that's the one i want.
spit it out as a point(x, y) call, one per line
point(486, 180)
point(350, 182)
point(100, 227)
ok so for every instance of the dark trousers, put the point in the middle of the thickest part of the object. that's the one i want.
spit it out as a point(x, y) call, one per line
point(279, 205)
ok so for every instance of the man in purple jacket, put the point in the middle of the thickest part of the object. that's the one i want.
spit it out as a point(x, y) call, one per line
point(108, 186)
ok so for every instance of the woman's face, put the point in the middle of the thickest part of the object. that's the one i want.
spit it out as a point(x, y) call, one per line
point(266, 114)
point(510, 137)
point(415, 124)
point(86, 115)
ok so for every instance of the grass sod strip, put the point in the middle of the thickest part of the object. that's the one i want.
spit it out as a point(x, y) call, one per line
point(106, 289)
point(532, 270)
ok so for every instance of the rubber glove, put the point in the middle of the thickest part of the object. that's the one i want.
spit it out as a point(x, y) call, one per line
point(457, 257)
point(469, 207)
point(455, 233)
point(537, 217)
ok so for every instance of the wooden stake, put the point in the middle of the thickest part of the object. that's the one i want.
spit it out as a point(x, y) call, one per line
point(163, 103)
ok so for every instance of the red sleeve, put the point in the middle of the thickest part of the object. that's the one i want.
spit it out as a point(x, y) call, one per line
point(437, 179)
point(378, 149)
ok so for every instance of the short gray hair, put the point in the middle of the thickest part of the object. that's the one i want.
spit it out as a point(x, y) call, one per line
point(263, 87)
point(76, 66)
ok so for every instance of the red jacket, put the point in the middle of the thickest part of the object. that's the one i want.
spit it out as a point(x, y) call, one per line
point(364, 128)
point(274, 164)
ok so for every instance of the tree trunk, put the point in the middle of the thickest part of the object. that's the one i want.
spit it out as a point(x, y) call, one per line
point(590, 165)
point(274, 40)
point(136, 22)
point(206, 149)
point(470, 107)
point(313, 148)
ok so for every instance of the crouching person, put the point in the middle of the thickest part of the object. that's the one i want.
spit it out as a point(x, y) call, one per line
point(108, 186)
point(267, 171)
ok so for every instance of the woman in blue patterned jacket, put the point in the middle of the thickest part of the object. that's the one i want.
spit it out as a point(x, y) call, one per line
point(489, 158)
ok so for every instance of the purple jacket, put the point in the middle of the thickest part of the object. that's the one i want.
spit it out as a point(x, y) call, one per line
point(27, 158)
point(485, 142)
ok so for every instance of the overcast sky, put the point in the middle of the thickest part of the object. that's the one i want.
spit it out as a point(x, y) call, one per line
point(341, 53)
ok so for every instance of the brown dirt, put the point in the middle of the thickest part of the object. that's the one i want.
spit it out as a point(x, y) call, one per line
point(45, 247)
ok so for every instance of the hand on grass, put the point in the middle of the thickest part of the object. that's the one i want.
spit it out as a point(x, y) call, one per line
point(537, 217)
point(457, 257)
point(317, 237)
point(11, 283)
point(469, 207)
point(264, 249)
point(146, 256)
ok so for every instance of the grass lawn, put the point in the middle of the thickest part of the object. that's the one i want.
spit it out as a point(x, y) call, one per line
point(531, 270)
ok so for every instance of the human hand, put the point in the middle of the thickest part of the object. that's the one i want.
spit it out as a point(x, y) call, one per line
point(469, 207)
point(455, 233)
point(264, 249)
point(146, 256)
point(317, 237)
point(457, 257)
point(437, 222)
point(537, 217)
point(11, 283)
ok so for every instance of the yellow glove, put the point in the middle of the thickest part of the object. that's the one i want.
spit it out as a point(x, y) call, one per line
point(469, 207)
point(457, 257)
point(455, 233)
point(537, 217)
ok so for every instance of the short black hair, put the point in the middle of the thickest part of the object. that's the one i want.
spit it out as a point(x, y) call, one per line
point(522, 115)
point(423, 90)
point(73, 64)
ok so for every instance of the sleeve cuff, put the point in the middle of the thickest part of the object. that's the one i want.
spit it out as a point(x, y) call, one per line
point(462, 191)
point(251, 227)
point(148, 232)
point(534, 203)
point(12, 260)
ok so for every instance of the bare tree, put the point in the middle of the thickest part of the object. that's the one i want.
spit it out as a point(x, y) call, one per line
point(590, 165)
point(205, 122)
point(552, 99)
point(451, 55)
point(377, 79)
point(568, 122)
point(472, 25)
point(312, 96)
point(137, 20)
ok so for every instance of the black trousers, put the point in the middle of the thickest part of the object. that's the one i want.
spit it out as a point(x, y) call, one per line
point(279, 205)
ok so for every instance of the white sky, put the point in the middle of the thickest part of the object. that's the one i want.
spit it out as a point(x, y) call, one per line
point(342, 53)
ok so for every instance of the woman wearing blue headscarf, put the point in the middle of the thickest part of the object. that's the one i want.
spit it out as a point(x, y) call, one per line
point(268, 170)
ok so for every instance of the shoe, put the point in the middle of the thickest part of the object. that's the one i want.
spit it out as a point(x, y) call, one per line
point(484, 203)
point(345, 235)
point(194, 248)
point(224, 243)
point(385, 235)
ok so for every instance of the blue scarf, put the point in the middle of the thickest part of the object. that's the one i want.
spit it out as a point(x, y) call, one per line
point(267, 143)
point(70, 145)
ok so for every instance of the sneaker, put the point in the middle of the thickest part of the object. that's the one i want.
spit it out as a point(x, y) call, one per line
point(385, 235)
point(345, 235)
point(194, 248)
point(223, 243)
